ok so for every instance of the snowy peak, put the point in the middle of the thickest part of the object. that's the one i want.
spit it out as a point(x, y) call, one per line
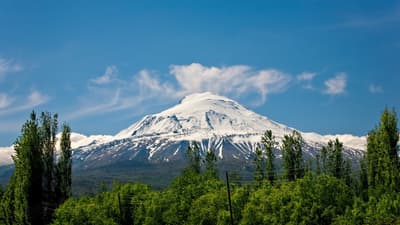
point(214, 121)
point(203, 115)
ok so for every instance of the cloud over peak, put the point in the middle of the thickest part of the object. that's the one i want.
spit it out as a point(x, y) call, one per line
point(233, 80)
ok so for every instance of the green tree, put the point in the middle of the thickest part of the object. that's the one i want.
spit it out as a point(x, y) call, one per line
point(382, 154)
point(48, 131)
point(292, 156)
point(28, 185)
point(259, 166)
point(64, 166)
point(30, 197)
point(193, 157)
point(332, 159)
point(210, 162)
point(268, 141)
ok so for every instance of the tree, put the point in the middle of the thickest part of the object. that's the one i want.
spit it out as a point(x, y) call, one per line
point(30, 196)
point(268, 141)
point(194, 158)
point(259, 163)
point(48, 132)
point(64, 166)
point(292, 156)
point(332, 159)
point(382, 154)
point(28, 161)
point(210, 162)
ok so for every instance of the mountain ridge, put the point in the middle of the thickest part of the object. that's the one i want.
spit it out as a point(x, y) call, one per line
point(212, 120)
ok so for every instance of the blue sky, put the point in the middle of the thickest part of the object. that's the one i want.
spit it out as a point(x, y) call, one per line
point(327, 67)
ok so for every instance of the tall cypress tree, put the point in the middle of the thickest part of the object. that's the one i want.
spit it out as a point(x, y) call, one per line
point(49, 127)
point(268, 141)
point(193, 156)
point(30, 195)
point(210, 161)
point(28, 191)
point(292, 156)
point(382, 154)
point(298, 152)
point(259, 166)
point(64, 167)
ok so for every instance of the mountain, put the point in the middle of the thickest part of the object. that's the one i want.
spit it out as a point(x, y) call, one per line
point(152, 149)
point(214, 121)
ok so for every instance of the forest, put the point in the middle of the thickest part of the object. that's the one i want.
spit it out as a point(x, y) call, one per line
point(327, 190)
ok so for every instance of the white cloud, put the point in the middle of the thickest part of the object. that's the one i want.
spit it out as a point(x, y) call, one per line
point(89, 109)
point(374, 89)
point(8, 66)
point(150, 85)
point(336, 85)
point(5, 100)
point(306, 76)
point(35, 98)
point(231, 80)
point(116, 94)
point(109, 76)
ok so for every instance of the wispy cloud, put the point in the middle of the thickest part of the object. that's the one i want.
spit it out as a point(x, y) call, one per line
point(374, 89)
point(35, 98)
point(306, 76)
point(151, 85)
point(231, 80)
point(5, 100)
point(336, 85)
point(8, 66)
point(109, 93)
point(371, 21)
point(305, 79)
point(109, 76)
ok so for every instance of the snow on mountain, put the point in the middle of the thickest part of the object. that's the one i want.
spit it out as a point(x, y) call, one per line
point(80, 140)
point(215, 122)
point(77, 140)
point(201, 116)
point(5, 155)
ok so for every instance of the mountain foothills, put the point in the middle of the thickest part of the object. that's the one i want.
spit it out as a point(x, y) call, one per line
point(295, 177)
point(215, 122)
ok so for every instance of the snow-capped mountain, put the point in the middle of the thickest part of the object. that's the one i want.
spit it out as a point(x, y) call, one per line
point(215, 122)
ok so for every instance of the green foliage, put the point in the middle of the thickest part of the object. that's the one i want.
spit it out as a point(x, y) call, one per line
point(382, 155)
point(259, 164)
point(268, 142)
point(329, 195)
point(332, 161)
point(64, 167)
point(210, 161)
point(292, 156)
point(31, 196)
point(193, 157)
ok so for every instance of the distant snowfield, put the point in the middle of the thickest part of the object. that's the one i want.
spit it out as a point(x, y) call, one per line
point(198, 117)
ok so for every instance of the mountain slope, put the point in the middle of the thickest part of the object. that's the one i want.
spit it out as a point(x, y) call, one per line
point(215, 122)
